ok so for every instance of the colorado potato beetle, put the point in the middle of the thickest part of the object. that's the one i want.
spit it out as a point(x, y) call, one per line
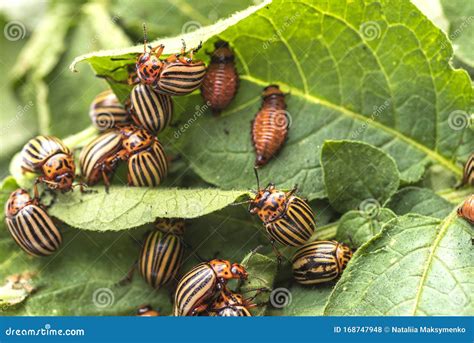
point(162, 253)
point(231, 304)
point(47, 155)
point(30, 225)
point(466, 210)
point(319, 262)
point(287, 218)
point(176, 75)
point(181, 75)
point(146, 159)
point(106, 111)
point(199, 286)
point(96, 158)
point(221, 81)
point(147, 311)
point(270, 126)
point(150, 109)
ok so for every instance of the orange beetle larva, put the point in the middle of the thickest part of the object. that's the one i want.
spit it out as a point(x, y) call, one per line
point(270, 126)
point(221, 81)
point(467, 209)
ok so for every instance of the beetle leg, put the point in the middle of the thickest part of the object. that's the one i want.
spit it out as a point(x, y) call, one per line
point(129, 276)
point(183, 47)
point(157, 50)
point(277, 253)
point(35, 187)
point(172, 58)
point(290, 193)
point(199, 309)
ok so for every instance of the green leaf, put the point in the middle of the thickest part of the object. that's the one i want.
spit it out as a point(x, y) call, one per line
point(101, 60)
point(357, 227)
point(357, 175)
point(262, 270)
point(416, 266)
point(85, 271)
point(306, 301)
point(88, 263)
point(127, 207)
point(345, 84)
point(421, 201)
point(341, 85)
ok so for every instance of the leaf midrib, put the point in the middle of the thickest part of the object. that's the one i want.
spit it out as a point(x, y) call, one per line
point(433, 155)
point(442, 231)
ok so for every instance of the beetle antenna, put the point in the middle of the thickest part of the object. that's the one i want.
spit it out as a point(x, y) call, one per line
point(145, 38)
point(241, 203)
point(256, 175)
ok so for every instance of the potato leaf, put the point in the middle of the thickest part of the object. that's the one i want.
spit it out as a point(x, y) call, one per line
point(416, 266)
point(128, 207)
point(349, 81)
point(421, 201)
point(357, 227)
point(357, 175)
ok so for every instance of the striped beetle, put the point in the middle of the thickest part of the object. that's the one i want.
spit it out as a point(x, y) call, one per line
point(147, 162)
point(107, 112)
point(287, 218)
point(176, 75)
point(30, 225)
point(162, 253)
point(466, 210)
point(150, 109)
point(200, 284)
point(49, 156)
point(95, 158)
point(320, 261)
point(146, 159)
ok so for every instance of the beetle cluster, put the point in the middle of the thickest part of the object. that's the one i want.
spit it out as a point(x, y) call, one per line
point(150, 108)
point(128, 133)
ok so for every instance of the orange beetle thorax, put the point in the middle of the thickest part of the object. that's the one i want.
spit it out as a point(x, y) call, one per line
point(148, 67)
point(60, 169)
point(174, 226)
point(269, 204)
point(135, 139)
point(17, 201)
point(225, 270)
